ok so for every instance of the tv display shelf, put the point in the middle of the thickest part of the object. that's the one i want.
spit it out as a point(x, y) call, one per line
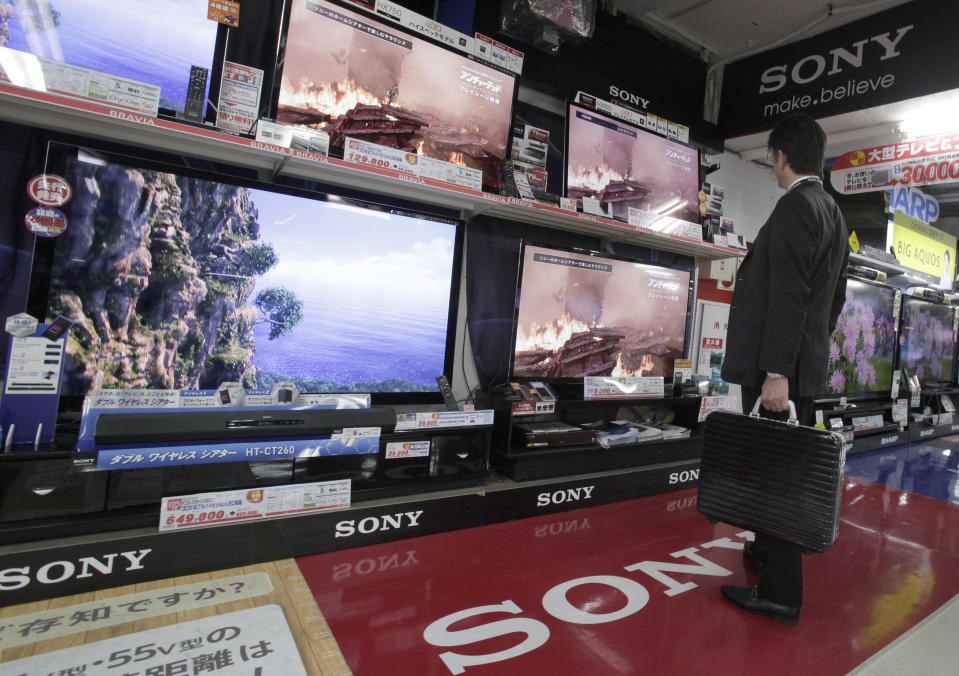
point(41, 109)
point(494, 500)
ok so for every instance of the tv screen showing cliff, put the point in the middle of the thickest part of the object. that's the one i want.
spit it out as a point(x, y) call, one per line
point(152, 41)
point(630, 167)
point(862, 350)
point(589, 315)
point(356, 77)
point(178, 282)
point(928, 343)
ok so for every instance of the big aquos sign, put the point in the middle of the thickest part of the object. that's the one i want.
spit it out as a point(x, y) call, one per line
point(536, 633)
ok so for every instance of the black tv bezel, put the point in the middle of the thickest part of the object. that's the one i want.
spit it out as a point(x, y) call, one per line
point(44, 248)
point(826, 396)
point(569, 106)
point(927, 384)
point(690, 300)
point(277, 73)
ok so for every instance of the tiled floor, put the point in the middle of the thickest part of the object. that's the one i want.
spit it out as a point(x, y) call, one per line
point(633, 588)
point(930, 469)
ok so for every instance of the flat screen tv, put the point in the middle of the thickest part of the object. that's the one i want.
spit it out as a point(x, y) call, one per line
point(176, 280)
point(862, 350)
point(927, 347)
point(357, 77)
point(152, 41)
point(612, 161)
point(581, 313)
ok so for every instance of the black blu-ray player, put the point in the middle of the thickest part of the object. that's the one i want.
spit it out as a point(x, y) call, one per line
point(174, 426)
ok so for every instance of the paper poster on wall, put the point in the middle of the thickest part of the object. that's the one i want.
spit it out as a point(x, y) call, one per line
point(714, 318)
point(239, 103)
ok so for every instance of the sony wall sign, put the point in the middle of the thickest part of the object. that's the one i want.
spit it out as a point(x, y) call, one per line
point(891, 56)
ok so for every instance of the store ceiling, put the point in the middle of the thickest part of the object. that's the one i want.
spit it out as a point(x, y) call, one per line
point(723, 31)
point(729, 29)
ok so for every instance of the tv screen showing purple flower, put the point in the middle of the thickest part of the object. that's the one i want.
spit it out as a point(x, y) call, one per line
point(863, 347)
point(928, 342)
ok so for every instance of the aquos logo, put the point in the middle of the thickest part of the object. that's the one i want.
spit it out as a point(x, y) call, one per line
point(812, 67)
point(56, 572)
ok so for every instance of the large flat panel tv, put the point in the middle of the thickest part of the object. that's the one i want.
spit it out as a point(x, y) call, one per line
point(862, 350)
point(180, 280)
point(152, 41)
point(630, 167)
point(582, 314)
point(927, 347)
point(356, 77)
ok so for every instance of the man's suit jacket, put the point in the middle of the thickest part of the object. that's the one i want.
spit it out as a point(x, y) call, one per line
point(790, 290)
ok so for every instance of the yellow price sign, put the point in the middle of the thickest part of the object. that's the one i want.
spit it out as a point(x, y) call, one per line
point(854, 242)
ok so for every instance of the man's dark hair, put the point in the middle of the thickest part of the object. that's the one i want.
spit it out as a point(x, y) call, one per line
point(802, 140)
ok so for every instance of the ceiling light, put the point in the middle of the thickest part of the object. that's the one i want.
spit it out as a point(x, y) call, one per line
point(929, 121)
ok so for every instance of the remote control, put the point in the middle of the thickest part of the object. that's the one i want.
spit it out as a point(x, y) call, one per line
point(447, 393)
point(196, 91)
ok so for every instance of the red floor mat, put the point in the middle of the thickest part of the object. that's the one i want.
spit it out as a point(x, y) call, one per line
point(633, 588)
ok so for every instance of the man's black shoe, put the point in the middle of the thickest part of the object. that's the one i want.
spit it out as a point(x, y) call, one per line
point(747, 598)
point(749, 554)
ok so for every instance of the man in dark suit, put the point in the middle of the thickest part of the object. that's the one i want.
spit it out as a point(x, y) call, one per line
point(790, 290)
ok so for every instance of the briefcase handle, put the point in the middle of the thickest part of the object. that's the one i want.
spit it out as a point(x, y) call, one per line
point(793, 417)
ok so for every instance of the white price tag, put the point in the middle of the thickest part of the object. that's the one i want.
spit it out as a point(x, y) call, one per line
point(206, 509)
point(599, 387)
point(900, 411)
point(381, 157)
point(239, 103)
point(522, 185)
point(710, 404)
point(567, 204)
point(396, 450)
point(427, 419)
point(448, 172)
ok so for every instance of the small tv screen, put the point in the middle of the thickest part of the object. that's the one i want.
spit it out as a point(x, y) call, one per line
point(175, 281)
point(630, 167)
point(927, 347)
point(584, 314)
point(862, 350)
point(152, 41)
point(356, 77)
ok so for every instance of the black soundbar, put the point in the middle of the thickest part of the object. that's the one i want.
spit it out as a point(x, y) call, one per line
point(214, 425)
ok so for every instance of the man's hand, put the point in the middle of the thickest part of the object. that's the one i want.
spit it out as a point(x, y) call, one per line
point(776, 394)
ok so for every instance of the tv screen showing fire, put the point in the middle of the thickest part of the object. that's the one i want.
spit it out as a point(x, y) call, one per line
point(355, 77)
point(582, 314)
point(630, 167)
